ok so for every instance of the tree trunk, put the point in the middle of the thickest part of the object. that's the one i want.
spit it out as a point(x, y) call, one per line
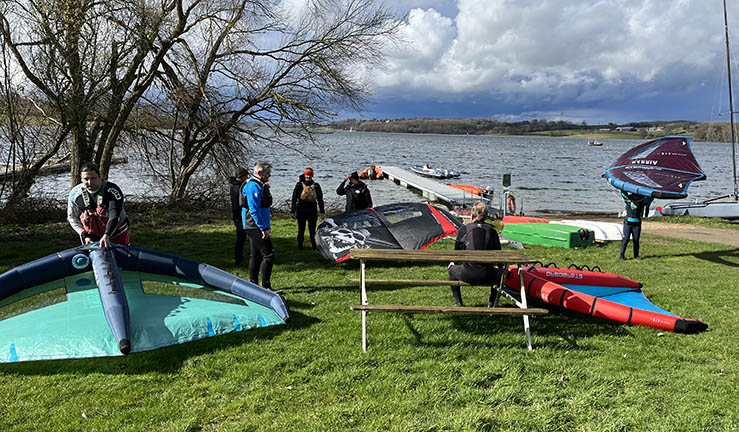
point(179, 189)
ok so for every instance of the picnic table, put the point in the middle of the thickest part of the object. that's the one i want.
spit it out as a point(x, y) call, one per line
point(496, 257)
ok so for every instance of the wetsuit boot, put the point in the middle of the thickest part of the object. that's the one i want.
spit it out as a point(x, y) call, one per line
point(457, 294)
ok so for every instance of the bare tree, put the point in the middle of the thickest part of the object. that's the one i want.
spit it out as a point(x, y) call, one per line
point(254, 73)
point(88, 63)
point(25, 147)
point(223, 69)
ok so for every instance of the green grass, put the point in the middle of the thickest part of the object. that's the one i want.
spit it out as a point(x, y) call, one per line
point(421, 373)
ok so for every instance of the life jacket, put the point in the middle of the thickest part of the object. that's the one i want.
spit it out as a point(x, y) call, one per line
point(95, 217)
point(309, 193)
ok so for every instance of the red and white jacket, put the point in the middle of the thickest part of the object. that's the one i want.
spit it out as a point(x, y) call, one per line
point(93, 214)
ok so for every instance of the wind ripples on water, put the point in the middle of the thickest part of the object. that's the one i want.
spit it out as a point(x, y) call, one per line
point(549, 175)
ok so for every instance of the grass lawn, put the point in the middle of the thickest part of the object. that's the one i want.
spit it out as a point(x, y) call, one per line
point(421, 372)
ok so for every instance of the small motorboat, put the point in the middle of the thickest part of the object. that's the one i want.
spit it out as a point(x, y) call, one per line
point(595, 143)
point(429, 171)
point(372, 172)
point(484, 192)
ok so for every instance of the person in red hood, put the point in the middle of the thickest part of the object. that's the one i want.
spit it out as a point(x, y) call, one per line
point(307, 201)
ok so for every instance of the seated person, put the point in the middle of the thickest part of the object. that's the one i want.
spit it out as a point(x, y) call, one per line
point(476, 235)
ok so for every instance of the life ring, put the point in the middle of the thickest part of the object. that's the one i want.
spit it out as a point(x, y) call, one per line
point(512, 204)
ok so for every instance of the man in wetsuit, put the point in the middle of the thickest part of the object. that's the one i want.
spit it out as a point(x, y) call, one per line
point(236, 183)
point(95, 209)
point(358, 196)
point(637, 206)
point(256, 219)
point(475, 236)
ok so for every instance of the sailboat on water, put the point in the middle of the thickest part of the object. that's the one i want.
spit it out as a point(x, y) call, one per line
point(727, 206)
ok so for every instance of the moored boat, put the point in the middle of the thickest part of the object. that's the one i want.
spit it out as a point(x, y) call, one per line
point(604, 231)
point(486, 192)
point(522, 219)
point(429, 171)
point(372, 172)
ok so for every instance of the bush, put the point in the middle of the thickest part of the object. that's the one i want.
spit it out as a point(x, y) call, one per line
point(32, 211)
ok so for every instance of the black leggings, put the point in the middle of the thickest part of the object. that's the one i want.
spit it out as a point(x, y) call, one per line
point(631, 230)
point(311, 218)
point(474, 275)
point(240, 240)
point(261, 259)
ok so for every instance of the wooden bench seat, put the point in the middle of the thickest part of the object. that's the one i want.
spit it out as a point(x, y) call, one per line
point(415, 282)
point(450, 310)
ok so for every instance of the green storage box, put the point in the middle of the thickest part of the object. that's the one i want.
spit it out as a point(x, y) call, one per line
point(548, 234)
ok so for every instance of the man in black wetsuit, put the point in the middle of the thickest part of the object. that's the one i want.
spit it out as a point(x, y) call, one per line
point(237, 202)
point(637, 206)
point(358, 196)
point(475, 236)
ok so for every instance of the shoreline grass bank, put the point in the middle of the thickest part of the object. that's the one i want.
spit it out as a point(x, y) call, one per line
point(421, 373)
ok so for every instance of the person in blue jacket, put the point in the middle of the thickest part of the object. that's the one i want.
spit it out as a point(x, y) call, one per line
point(637, 206)
point(256, 217)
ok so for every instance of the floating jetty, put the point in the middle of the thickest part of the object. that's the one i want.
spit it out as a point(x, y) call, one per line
point(429, 188)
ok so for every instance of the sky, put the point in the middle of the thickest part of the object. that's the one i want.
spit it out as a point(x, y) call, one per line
point(596, 61)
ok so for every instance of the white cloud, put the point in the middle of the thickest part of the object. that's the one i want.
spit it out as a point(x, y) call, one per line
point(557, 50)
point(426, 37)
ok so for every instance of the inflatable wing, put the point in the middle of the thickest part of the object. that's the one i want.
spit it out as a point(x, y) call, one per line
point(392, 226)
point(662, 168)
point(599, 294)
point(90, 302)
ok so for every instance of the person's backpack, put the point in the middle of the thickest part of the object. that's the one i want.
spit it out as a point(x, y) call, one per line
point(308, 193)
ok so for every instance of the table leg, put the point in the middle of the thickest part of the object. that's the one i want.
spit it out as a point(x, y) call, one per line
point(526, 327)
point(501, 284)
point(363, 299)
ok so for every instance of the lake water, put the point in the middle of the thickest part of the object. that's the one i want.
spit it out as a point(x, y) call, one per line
point(548, 175)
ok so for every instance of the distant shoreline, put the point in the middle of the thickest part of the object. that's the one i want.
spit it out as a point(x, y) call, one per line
point(698, 131)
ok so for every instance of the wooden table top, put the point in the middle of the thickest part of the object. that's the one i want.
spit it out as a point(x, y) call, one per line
point(471, 256)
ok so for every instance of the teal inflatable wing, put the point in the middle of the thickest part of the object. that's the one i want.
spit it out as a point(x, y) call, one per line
point(90, 302)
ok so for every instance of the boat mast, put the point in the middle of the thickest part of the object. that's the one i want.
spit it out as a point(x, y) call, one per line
point(731, 105)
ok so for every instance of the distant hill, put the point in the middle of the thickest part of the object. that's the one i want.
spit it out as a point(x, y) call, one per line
point(699, 131)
